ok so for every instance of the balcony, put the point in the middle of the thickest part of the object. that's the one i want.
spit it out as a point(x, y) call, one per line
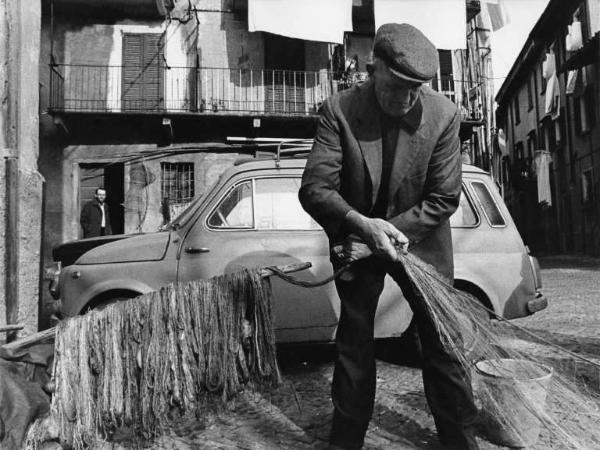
point(209, 91)
point(153, 89)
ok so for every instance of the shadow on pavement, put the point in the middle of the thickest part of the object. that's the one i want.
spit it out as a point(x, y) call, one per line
point(305, 397)
point(587, 374)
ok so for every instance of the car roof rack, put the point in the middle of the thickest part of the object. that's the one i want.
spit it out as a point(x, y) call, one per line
point(278, 147)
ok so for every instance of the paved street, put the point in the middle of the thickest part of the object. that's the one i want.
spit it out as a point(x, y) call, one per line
point(297, 415)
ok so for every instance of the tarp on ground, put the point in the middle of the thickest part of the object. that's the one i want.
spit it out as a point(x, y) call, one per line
point(22, 398)
point(310, 20)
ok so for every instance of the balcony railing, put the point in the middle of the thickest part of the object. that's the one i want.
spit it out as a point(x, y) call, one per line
point(88, 88)
point(154, 89)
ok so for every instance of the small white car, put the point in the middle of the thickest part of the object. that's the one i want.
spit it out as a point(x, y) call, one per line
point(252, 217)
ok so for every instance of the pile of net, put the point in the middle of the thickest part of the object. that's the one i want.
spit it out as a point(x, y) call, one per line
point(142, 363)
point(525, 395)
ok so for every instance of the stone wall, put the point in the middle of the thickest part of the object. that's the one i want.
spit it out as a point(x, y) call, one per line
point(19, 127)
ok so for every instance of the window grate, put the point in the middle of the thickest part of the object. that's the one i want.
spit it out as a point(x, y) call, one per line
point(177, 182)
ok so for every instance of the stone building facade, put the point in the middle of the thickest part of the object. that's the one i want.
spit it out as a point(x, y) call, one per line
point(548, 111)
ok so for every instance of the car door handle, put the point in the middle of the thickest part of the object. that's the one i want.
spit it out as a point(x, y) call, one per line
point(197, 250)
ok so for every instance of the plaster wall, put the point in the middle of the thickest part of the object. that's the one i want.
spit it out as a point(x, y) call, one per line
point(142, 203)
point(528, 120)
point(229, 58)
point(99, 47)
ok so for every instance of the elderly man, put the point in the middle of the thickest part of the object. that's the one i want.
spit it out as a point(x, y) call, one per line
point(94, 219)
point(385, 171)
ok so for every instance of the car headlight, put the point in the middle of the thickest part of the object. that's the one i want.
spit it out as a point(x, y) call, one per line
point(52, 274)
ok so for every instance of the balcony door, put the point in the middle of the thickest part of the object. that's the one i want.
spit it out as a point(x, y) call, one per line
point(444, 80)
point(284, 77)
point(142, 86)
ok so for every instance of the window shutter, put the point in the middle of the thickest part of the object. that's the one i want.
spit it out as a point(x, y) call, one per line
point(132, 63)
point(446, 75)
point(152, 61)
point(142, 76)
point(445, 63)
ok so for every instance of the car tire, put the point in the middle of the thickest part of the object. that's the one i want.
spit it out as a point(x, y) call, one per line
point(102, 302)
point(100, 306)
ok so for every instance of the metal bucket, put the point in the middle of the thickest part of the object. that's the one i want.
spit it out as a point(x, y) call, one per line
point(513, 399)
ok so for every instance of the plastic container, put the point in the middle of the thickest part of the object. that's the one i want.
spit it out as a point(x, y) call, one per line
point(513, 399)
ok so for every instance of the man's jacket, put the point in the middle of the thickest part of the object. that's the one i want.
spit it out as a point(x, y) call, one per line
point(343, 171)
point(91, 219)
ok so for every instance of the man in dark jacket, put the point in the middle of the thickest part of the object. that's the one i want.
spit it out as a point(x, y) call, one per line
point(95, 220)
point(385, 171)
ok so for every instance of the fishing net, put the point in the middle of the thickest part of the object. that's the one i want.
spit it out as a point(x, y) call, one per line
point(523, 396)
point(141, 363)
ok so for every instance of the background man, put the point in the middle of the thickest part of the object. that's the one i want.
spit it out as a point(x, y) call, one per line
point(385, 170)
point(95, 220)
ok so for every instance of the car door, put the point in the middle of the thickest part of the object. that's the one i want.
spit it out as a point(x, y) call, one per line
point(257, 220)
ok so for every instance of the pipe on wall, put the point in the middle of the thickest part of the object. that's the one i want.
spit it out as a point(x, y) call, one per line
point(12, 244)
point(10, 41)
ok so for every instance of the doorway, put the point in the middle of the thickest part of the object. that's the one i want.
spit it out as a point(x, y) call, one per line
point(285, 78)
point(110, 177)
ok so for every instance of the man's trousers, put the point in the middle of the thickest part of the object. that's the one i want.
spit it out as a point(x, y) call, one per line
point(447, 385)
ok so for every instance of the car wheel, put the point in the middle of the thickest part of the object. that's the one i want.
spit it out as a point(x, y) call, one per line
point(100, 306)
point(103, 302)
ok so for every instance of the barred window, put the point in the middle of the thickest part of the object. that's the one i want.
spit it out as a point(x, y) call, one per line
point(177, 182)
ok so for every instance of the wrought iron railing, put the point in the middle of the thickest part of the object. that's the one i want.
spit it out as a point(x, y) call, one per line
point(89, 88)
point(95, 88)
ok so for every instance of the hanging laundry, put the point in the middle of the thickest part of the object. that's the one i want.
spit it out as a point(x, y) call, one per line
point(497, 13)
point(549, 65)
point(542, 162)
point(502, 143)
point(552, 86)
point(574, 38)
point(442, 21)
point(572, 81)
point(311, 20)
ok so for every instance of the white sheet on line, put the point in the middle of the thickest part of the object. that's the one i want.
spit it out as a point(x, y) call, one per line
point(311, 20)
point(444, 22)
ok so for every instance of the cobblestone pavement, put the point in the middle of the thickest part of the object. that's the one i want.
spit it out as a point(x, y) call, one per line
point(297, 415)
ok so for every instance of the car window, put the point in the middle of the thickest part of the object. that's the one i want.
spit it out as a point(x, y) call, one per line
point(235, 210)
point(277, 206)
point(487, 202)
point(465, 215)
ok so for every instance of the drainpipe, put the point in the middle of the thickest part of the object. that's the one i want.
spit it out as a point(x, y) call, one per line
point(12, 243)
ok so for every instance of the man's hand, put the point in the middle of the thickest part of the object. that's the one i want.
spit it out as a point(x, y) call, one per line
point(352, 249)
point(382, 238)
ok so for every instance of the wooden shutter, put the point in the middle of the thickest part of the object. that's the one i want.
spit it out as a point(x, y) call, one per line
point(447, 82)
point(142, 73)
point(284, 77)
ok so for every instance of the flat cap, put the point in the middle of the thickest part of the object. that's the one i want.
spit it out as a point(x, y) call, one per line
point(407, 52)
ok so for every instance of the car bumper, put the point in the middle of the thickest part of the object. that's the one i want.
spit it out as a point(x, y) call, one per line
point(539, 303)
